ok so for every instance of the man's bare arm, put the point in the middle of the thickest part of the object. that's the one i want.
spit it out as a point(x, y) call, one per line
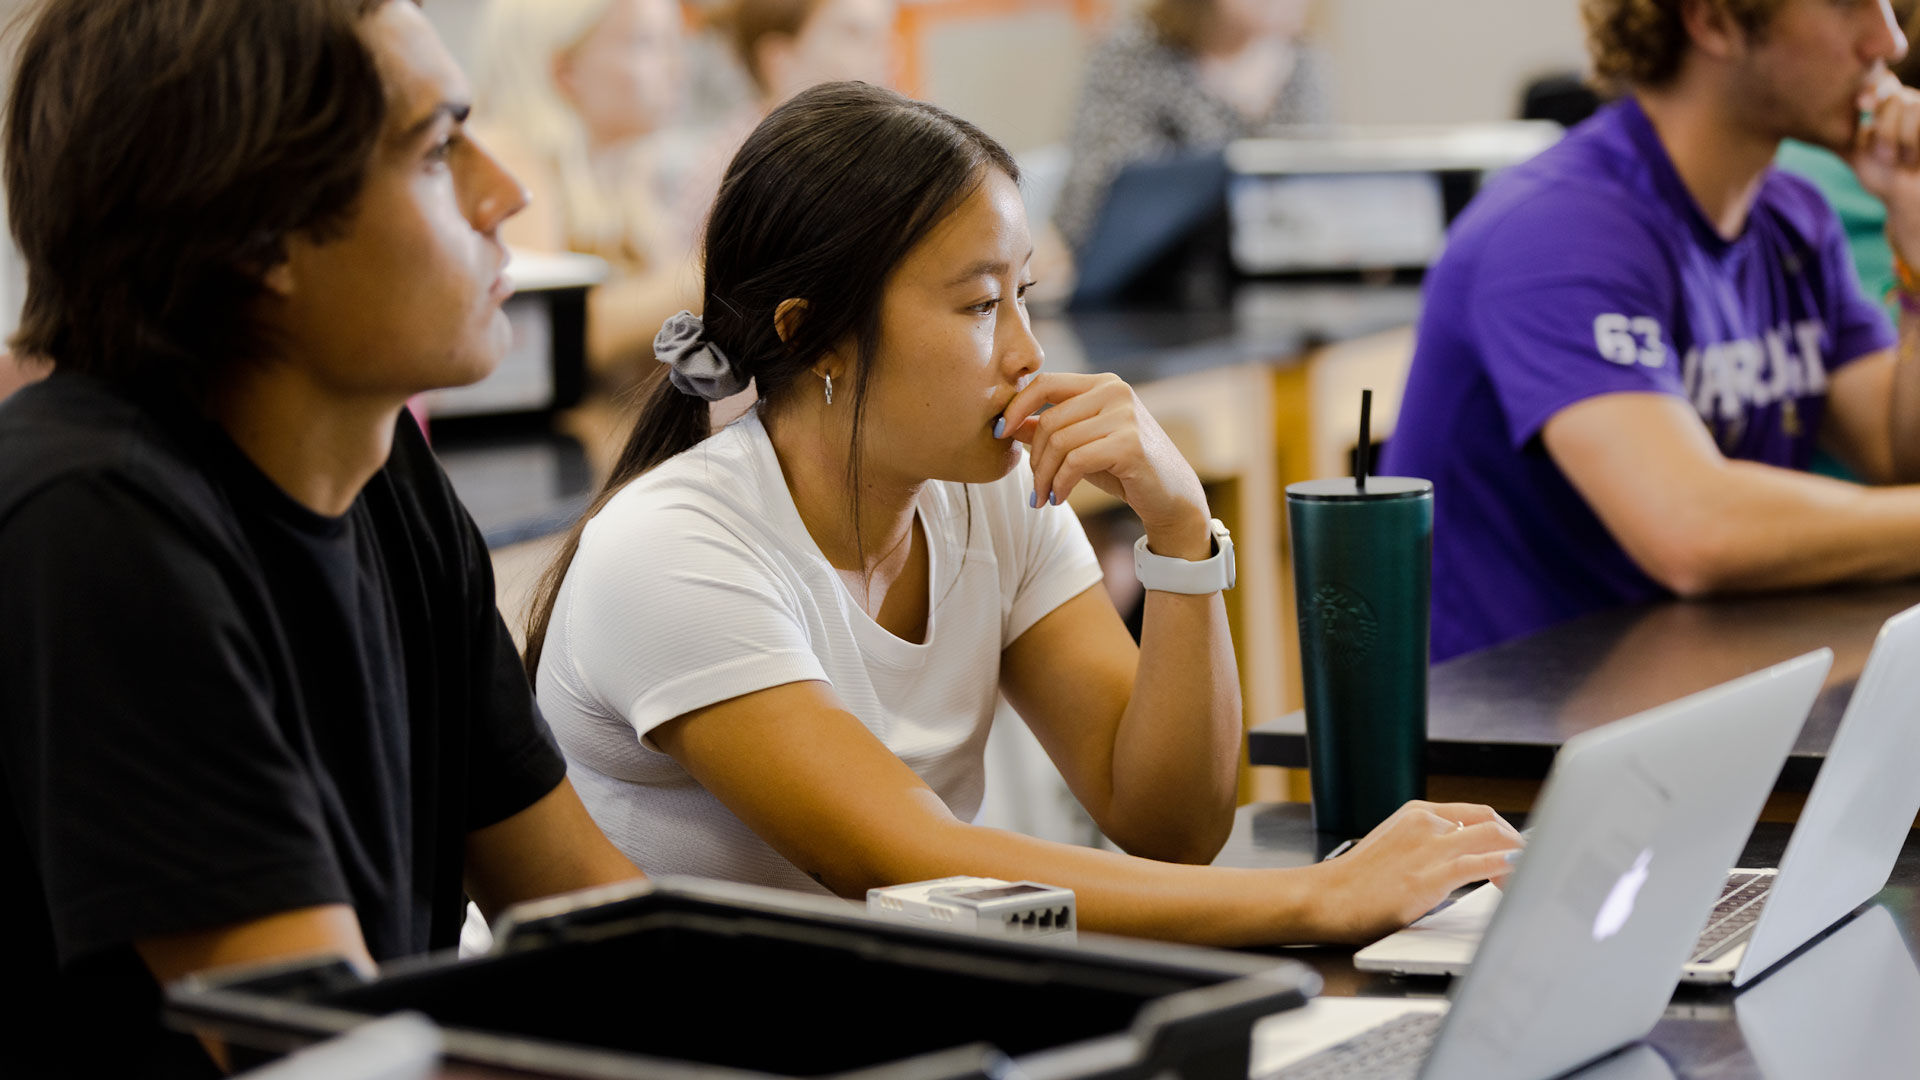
point(550, 847)
point(325, 930)
point(1700, 523)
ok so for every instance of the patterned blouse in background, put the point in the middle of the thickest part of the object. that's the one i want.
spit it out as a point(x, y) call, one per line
point(1143, 99)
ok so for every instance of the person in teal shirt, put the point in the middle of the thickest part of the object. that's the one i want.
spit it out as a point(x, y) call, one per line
point(1863, 216)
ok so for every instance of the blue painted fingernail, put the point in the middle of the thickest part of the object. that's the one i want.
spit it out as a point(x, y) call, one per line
point(1000, 428)
point(1033, 500)
point(1053, 497)
point(1514, 855)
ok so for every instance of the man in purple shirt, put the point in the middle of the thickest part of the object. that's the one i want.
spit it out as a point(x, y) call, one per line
point(1634, 342)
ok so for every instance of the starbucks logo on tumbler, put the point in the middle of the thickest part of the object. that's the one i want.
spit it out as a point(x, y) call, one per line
point(1347, 628)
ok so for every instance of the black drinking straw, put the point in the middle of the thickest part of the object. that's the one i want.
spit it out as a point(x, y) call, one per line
point(1365, 449)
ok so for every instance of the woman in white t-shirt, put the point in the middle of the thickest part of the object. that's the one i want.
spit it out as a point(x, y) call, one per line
point(773, 659)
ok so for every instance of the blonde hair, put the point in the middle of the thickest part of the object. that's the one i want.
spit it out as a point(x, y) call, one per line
point(1181, 24)
point(515, 91)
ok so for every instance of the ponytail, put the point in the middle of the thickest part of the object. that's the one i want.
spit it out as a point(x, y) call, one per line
point(669, 423)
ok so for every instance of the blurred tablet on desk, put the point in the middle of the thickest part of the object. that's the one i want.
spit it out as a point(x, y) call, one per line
point(545, 367)
point(1152, 209)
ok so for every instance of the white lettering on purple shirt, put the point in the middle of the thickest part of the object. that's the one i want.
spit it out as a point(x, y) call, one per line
point(1726, 379)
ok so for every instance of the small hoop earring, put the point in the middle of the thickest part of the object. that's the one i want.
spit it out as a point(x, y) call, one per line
point(829, 379)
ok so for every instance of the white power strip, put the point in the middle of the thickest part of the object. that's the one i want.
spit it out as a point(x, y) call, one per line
point(982, 904)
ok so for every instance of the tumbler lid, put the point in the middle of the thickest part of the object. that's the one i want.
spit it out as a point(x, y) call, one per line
point(1347, 489)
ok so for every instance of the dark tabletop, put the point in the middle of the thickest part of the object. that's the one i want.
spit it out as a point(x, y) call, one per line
point(1505, 711)
point(1701, 1035)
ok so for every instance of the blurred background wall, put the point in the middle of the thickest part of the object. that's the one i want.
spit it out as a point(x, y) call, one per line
point(1409, 61)
point(1012, 66)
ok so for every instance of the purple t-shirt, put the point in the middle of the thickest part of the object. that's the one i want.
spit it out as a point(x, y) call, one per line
point(1590, 270)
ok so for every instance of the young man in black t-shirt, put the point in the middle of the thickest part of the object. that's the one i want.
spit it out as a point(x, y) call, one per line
point(255, 699)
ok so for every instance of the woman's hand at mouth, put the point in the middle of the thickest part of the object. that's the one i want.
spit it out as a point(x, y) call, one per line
point(1097, 430)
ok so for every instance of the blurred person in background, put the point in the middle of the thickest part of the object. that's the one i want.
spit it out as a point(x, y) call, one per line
point(791, 45)
point(784, 46)
point(568, 94)
point(1186, 75)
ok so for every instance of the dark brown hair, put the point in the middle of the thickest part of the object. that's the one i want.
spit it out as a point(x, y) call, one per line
point(158, 154)
point(822, 202)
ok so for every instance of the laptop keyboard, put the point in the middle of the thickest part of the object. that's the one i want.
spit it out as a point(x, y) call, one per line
point(1397, 1048)
point(1733, 917)
point(1390, 1051)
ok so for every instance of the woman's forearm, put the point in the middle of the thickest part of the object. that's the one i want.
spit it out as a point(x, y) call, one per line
point(1177, 750)
point(1121, 894)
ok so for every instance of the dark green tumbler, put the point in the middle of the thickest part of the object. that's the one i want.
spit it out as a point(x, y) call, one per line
point(1363, 571)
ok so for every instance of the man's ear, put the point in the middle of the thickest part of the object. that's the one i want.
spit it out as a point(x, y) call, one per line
point(787, 318)
point(1713, 29)
point(279, 279)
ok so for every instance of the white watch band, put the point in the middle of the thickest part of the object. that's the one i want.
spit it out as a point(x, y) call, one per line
point(1158, 573)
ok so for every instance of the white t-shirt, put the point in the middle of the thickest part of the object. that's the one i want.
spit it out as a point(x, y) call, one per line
point(698, 582)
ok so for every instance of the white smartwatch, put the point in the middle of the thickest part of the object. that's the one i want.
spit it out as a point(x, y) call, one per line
point(1158, 573)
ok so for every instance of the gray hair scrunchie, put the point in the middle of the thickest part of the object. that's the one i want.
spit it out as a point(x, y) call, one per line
point(695, 365)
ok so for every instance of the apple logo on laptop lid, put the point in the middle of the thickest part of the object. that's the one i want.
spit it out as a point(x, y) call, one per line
point(1617, 908)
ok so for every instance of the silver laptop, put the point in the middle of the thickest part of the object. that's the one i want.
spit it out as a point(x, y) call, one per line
point(1841, 853)
point(1844, 1008)
point(1636, 1062)
point(1633, 828)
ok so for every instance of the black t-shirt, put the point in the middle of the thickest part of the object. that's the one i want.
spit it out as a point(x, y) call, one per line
point(216, 705)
